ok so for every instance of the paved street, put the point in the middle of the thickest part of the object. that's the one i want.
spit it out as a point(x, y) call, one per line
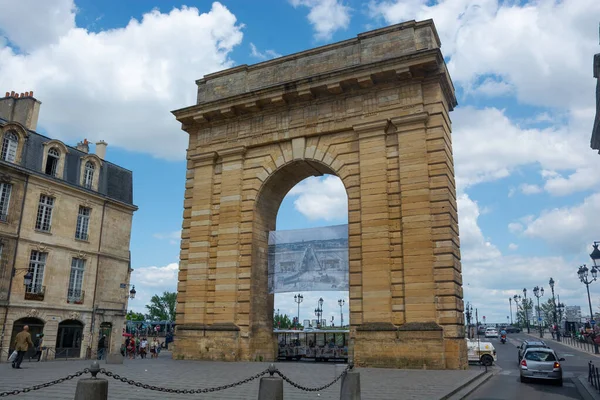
point(376, 384)
point(505, 383)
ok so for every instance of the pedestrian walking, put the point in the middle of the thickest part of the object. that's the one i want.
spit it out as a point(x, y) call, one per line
point(101, 347)
point(22, 343)
point(155, 348)
point(143, 347)
point(38, 346)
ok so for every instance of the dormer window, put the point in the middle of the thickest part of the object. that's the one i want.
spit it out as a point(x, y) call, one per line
point(88, 178)
point(9, 147)
point(52, 161)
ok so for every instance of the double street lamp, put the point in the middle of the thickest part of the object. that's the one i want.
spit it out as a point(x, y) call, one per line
point(556, 323)
point(319, 312)
point(539, 292)
point(583, 273)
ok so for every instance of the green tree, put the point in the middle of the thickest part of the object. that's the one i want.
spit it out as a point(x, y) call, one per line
point(282, 321)
point(525, 305)
point(162, 308)
point(135, 316)
point(548, 312)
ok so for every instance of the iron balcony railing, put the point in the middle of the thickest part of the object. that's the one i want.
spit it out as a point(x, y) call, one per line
point(75, 296)
point(35, 292)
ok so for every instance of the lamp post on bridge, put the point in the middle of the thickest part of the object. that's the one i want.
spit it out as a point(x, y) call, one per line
point(551, 283)
point(539, 292)
point(510, 307)
point(469, 314)
point(298, 298)
point(525, 304)
point(341, 303)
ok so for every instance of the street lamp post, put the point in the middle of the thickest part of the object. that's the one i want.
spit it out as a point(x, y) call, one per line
point(468, 314)
point(341, 303)
point(298, 298)
point(319, 312)
point(539, 292)
point(516, 300)
point(510, 307)
point(584, 278)
point(525, 305)
point(551, 283)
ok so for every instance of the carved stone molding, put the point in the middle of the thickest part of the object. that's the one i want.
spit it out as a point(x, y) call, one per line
point(5, 178)
point(74, 315)
point(80, 254)
point(33, 313)
point(41, 247)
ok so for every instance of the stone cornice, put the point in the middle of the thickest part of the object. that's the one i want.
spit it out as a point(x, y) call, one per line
point(411, 66)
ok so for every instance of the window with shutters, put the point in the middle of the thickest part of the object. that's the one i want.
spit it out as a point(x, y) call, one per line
point(83, 223)
point(9, 146)
point(75, 294)
point(5, 190)
point(44, 215)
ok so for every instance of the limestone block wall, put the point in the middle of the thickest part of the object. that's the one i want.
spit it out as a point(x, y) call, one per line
point(379, 121)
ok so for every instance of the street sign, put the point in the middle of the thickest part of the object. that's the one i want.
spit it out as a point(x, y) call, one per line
point(593, 322)
point(540, 319)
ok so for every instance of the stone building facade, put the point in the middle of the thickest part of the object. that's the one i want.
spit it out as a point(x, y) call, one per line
point(65, 217)
point(373, 110)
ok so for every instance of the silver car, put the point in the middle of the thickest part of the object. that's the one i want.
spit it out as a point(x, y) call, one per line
point(541, 363)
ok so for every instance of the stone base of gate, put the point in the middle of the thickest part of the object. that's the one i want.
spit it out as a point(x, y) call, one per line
point(207, 342)
point(411, 346)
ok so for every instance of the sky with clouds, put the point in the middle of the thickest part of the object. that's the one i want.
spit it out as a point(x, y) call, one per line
point(528, 183)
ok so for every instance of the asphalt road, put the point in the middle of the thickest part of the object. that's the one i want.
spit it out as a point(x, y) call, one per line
point(505, 383)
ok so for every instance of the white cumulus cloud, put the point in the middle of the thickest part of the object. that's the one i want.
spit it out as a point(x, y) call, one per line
point(120, 84)
point(152, 280)
point(326, 16)
point(321, 198)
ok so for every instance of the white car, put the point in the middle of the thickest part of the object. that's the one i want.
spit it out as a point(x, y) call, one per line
point(491, 333)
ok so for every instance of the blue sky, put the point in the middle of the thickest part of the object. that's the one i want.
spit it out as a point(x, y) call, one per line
point(528, 184)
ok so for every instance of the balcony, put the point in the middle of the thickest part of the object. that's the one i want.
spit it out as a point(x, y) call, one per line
point(35, 292)
point(75, 296)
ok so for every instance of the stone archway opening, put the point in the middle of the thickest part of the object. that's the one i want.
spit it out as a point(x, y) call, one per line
point(308, 268)
point(36, 327)
point(69, 338)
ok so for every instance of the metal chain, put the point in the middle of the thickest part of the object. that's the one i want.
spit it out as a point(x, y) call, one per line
point(44, 385)
point(181, 391)
point(307, 389)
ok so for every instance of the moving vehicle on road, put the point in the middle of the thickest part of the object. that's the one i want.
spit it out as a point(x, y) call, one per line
point(528, 344)
point(491, 333)
point(513, 329)
point(541, 363)
point(481, 351)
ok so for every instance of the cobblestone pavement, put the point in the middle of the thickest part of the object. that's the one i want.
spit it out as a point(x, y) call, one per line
point(376, 383)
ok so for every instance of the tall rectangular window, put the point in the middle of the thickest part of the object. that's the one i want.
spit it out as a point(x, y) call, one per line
point(5, 190)
point(83, 223)
point(75, 294)
point(44, 215)
point(37, 264)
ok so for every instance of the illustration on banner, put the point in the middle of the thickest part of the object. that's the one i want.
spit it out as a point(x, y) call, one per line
point(313, 259)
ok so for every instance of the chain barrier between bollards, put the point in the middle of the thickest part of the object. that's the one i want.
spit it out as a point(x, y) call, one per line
point(44, 385)
point(94, 370)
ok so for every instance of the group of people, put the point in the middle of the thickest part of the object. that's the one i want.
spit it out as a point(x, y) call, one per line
point(134, 346)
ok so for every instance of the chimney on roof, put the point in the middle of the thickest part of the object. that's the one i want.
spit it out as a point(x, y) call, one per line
point(22, 108)
point(84, 146)
point(101, 149)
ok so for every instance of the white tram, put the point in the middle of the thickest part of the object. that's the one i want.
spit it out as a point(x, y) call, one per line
point(317, 345)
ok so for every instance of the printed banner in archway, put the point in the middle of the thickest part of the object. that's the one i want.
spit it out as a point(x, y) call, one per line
point(306, 260)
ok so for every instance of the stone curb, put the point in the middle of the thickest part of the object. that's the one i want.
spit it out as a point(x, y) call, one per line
point(585, 389)
point(472, 384)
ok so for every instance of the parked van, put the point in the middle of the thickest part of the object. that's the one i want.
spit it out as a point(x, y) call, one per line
point(481, 351)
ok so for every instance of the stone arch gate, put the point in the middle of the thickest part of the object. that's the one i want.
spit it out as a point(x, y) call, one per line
point(372, 110)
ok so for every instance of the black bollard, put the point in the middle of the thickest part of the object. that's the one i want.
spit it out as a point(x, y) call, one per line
point(271, 387)
point(92, 388)
point(350, 389)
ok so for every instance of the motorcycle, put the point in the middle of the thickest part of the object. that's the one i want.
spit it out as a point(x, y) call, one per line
point(503, 339)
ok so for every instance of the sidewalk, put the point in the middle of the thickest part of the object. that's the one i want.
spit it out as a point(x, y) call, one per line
point(376, 383)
